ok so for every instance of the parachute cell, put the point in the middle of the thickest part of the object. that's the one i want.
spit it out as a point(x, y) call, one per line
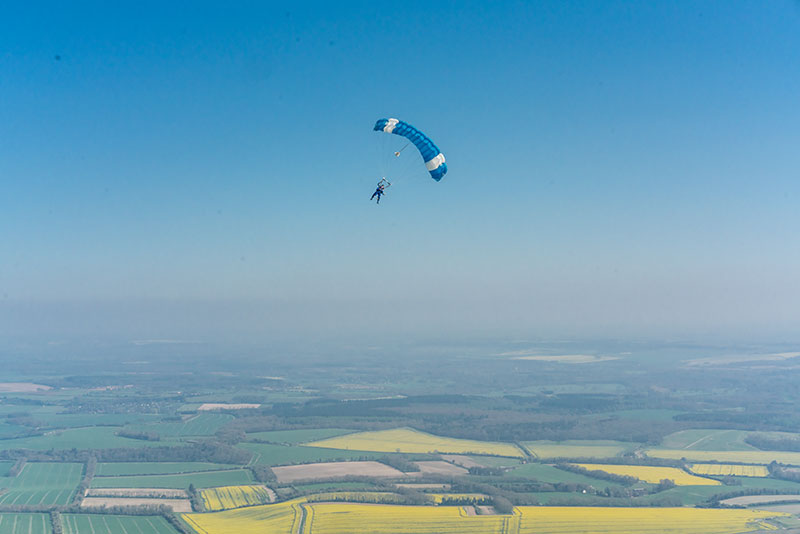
point(433, 157)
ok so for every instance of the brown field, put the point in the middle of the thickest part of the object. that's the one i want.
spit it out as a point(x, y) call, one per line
point(22, 387)
point(138, 492)
point(439, 467)
point(177, 505)
point(463, 461)
point(291, 473)
point(209, 406)
point(760, 499)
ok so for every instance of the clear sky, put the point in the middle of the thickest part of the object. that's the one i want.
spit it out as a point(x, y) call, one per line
point(198, 170)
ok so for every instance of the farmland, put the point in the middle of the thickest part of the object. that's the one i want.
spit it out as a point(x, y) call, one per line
point(115, 524)
point(203, 424)
point(271, 454)
point(294, 473)
point(77, 438)
point(24, 523)
point(407, 440)
point(730, 470)
point(298, 436)
point(653, 475)
point(707, 440)
point(743, 457)
point(558, 520)
point(328, 458)
point(42, 483)
point(576, 449)
point(157, 468)
point(228, 497)
point(281, 518)
point(177, 505)
point(206, 479)
point(338, 518)
point(551, 474)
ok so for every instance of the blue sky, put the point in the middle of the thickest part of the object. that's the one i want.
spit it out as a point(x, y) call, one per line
point(616, 168)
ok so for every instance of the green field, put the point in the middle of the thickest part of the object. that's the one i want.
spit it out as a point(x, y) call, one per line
point(42, 483)
point(299, 436)
point(4, 468)
point(551, 474)
point(335, 486)
point(732, 457)
point(209, 479)
point(75, 420)
point(577, 448)
point(707, 440)
point(203, 424)
point(115, 524)
point(156, 468)
point(639, 415)
point(496, 461)
point(25, 524)
point(78, 438)
point(10, 430)
point(269, 454)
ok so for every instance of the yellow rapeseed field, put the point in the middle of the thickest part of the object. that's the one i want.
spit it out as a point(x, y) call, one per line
point(742, 457)
point(335, 518)
point(730, 470)
point(409, 440)
point(347, 518)
point(228, 497)
point(575, 520)
point(272, 518)
point(653, 475)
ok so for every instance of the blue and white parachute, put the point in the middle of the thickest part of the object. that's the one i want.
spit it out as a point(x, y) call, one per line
point(433, 157)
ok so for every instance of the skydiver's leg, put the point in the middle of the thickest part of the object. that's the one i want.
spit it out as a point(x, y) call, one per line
point(373, 196)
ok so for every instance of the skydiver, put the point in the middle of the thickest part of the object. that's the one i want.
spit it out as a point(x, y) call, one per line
point(380, 190)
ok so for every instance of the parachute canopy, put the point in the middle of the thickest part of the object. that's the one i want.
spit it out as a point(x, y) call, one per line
point(433, 157)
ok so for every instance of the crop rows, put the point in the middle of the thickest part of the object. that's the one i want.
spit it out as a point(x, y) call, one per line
point(42, 483)
point(273, 518)
point(228, 497)
point(205, 479)
point(25, 524)
point(115, 524)
point(156, 468)
point(730, 470)
point(345, 518)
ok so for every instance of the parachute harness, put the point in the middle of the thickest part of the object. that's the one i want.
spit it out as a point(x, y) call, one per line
point(397, 154)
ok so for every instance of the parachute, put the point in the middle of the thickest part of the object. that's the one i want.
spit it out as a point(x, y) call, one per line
point(431, 155)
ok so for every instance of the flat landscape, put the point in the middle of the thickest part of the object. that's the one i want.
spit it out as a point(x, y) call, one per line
point(408, 440)
point(115, 524)
point(41, 484)
point(320, 471)
point(653, 475)
point(176, 505)
point(309, 455)
point(204, 479)
point(730, 470)
point(11, 523)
